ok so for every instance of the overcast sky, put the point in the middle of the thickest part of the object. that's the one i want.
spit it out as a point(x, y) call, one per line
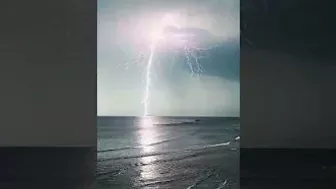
point(124, 29)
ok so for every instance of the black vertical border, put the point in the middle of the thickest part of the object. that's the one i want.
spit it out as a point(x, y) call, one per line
point(48, 69)
point(288, 70)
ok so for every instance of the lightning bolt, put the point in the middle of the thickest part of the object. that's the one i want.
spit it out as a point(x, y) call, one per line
point(155, 39)
point(148, 79)
point(189, 62)
point(191, 54)
point(192, 60)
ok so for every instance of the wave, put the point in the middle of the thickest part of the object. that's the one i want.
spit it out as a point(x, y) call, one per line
point(198, 182)
point(188, 122)
point(148, 145)
point(153, 162)
point(222, 185)
point(187, 150)
point(155, 183)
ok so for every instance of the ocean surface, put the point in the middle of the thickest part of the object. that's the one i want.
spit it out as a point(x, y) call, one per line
point(167, 152)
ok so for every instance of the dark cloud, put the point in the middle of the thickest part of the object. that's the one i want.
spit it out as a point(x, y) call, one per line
point(123, 29)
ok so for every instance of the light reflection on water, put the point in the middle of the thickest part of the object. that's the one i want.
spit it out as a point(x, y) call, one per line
point(147, 136)
point(158, 155)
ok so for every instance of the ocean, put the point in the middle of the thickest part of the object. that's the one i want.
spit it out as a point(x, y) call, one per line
point(167, 152)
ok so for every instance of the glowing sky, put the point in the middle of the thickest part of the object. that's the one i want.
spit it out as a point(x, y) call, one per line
point(125, 30)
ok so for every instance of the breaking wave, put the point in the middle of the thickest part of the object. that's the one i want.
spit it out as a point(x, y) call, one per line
point(186, 150)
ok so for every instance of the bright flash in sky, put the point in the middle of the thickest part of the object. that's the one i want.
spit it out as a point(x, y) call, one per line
point(161, 58)
point(158, 34)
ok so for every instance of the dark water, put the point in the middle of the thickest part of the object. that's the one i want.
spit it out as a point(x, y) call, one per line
point(167, 152)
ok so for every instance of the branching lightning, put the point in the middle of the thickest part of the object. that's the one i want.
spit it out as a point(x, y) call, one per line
point(191, 54)
point(189, 62)
point(192, 58)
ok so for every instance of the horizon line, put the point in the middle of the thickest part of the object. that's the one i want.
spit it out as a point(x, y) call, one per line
point(168, 116)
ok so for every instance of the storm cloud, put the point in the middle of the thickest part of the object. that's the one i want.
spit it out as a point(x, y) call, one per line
point(123, 29)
